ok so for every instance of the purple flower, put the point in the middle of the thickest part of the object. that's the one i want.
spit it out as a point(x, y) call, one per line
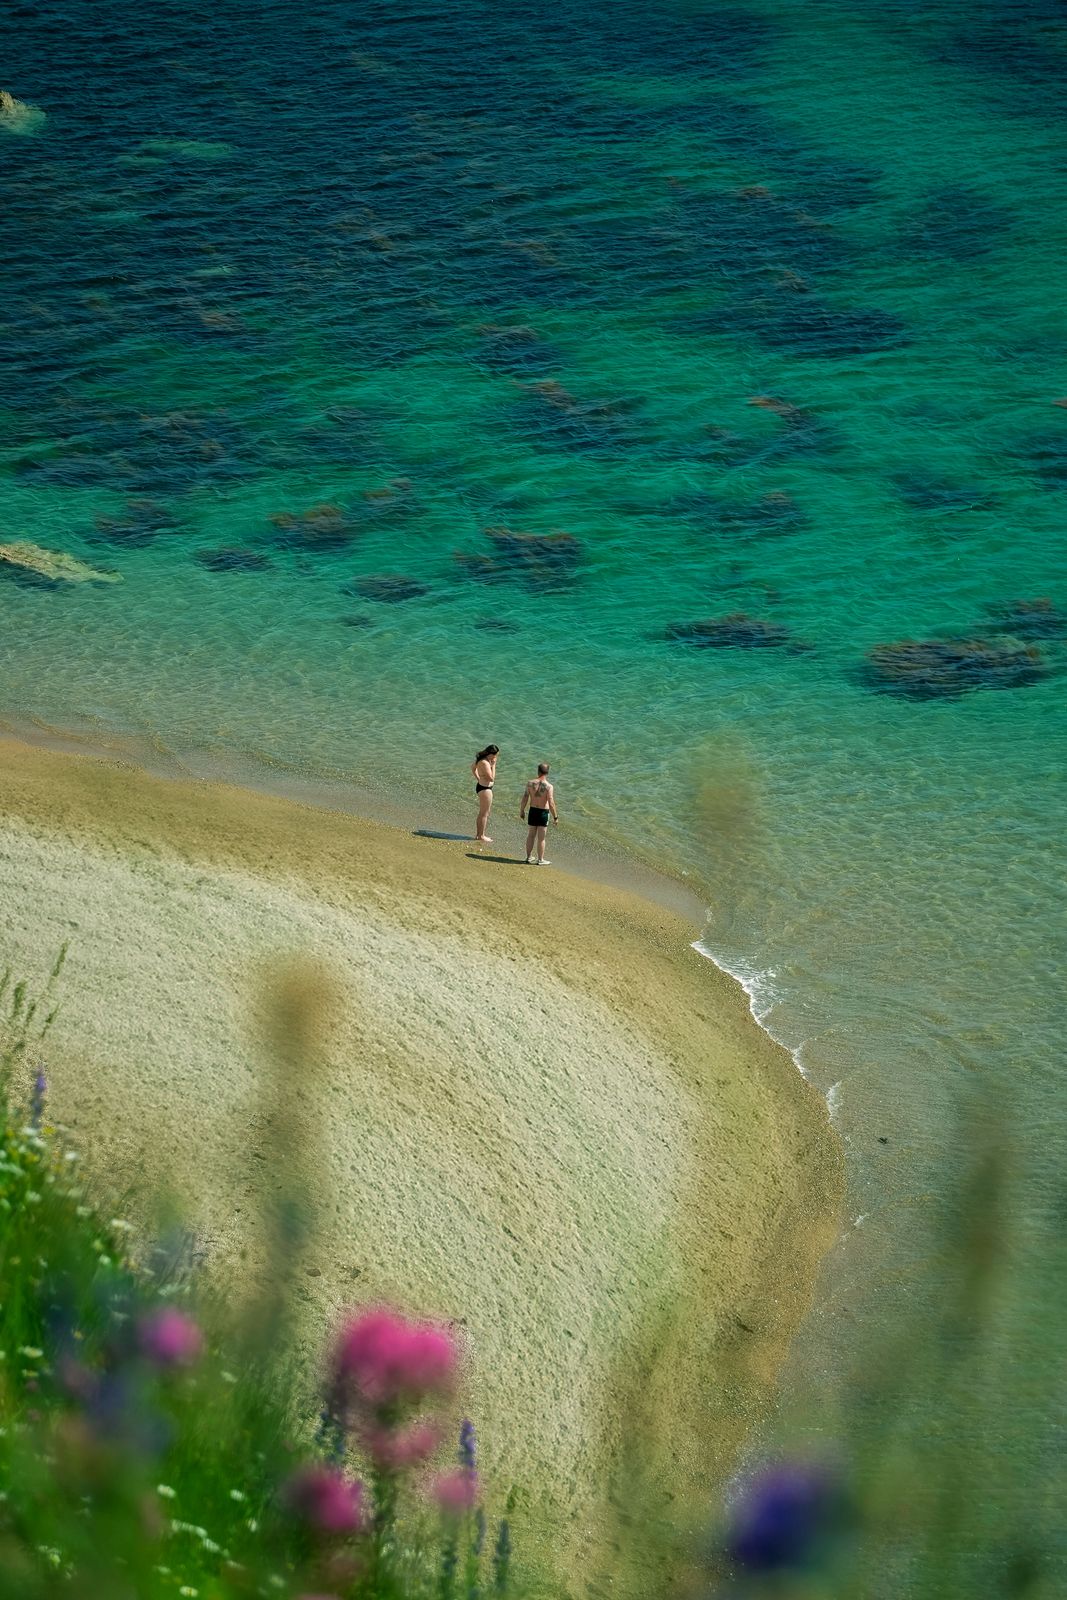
point(783, 1514)
point(40, 1089)
point(326, 1500)
point(456, 1491)
point(467, 1445)
point(169, 1338)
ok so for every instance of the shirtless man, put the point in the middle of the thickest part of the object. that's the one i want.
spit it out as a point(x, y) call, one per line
point(541, 799)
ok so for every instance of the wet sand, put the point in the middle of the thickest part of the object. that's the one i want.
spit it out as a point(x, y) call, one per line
point(529, 1107)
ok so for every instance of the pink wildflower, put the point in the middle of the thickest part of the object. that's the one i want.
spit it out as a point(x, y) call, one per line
point(170, 1339)
point(398, 1448)
point(456, 1491)
point(327, 1501)
point(388, 1359)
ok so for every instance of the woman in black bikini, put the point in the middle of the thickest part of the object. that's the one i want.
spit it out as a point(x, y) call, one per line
point(484, 769)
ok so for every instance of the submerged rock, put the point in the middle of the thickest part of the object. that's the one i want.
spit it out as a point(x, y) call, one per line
point(1048, 458)
point(928, 669)
point(321, 527)
point(233, 559)
point(770, 515)
point(1031, 619)
point(539, 560)
point(50, 566)
point(389, 587)
point(18, 117)
point(560, 550)
point(557, 419)
point(957, 222)
point(396, 497)
point(738, 631)
point(518, 351)
point(926, 492)
point(144, 521)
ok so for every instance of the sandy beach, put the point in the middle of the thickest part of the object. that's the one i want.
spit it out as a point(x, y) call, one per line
point(532, 1108)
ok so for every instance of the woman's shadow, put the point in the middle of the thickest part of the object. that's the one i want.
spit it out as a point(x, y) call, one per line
point(468, 838)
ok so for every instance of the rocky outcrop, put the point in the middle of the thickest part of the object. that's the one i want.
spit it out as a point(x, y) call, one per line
point(538, 560)
point(18, 117)
point(36, 565)
point(389, 587)
point(738, 631)
point(929, 669)
point(1030, 619)
point(232, 559)
point(321, 527)
point(142, 522)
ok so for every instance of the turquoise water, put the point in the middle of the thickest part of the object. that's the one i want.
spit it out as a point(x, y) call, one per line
point(465, 268)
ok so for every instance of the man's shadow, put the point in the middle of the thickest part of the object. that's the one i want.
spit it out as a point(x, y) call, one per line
point(501, 861)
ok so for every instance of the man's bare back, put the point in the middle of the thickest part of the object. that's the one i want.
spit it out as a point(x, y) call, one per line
point(540, 798)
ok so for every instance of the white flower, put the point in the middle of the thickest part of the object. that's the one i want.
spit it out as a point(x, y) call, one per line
point(72, 1155)
point(165, 1490)
point(122, 1225)
point(30, 1352)
point(252, 1525)
point(211, 1547)
point(235, 1494)
point(81, 1211)
point(185, 1589)
point(227, 1377)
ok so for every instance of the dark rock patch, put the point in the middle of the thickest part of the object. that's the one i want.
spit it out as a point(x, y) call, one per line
point(800, 324)
point(392, 499)
point(343, 436)
point(926, 492)
point(1048, 457)
point(388, 587)
point(550, 416)
point(957, 224)
point(808, 327)
point(1030, 619)
point(495, 625)
point(745, 236)
point(769, 515)
point(142, 522)
point(323, 527)
point(929, 669)
point(358, 621)
point(518, 351)
point(233, 559)
point(538, 560)
point(738, 631)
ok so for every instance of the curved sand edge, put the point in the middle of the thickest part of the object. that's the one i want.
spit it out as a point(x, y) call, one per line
point(538, 1111)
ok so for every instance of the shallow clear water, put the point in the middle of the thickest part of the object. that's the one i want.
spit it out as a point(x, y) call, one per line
point(451, 270)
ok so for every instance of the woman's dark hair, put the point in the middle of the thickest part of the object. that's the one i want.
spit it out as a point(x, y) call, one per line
point(490, 750)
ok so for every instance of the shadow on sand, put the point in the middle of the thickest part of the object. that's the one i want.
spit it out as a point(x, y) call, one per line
point(430, 833)
point(503, 861)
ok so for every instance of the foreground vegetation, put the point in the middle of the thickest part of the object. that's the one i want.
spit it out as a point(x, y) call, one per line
point(153, 1443)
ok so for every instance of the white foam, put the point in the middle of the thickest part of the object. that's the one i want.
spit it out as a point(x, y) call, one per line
point(763, 997)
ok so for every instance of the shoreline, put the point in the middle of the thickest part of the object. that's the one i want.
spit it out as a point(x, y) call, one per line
point(657, 1185)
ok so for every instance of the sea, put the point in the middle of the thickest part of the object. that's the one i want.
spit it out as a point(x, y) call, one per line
point(674, 392)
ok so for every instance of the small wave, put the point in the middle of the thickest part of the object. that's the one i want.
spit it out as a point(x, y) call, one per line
point(763, 996)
